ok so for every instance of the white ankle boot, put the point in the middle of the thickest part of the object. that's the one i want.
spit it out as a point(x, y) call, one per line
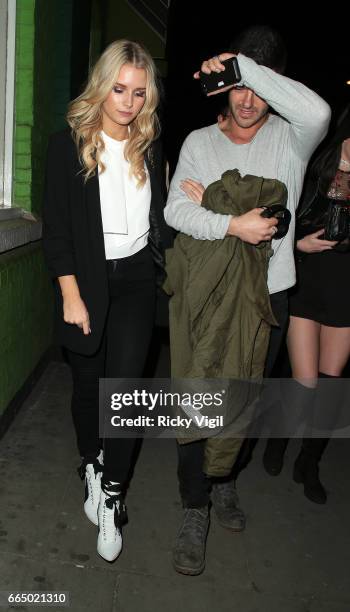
point(111, 513)
point(92, 473)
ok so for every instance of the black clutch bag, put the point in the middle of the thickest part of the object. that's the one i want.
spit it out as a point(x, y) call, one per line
point(337, 226)
point(312, 218)
point(331, 215)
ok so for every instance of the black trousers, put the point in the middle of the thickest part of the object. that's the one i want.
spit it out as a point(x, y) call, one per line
point(194, 485)
point(122, 354)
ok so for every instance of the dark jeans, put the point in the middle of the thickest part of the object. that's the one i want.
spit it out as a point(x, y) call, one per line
point(122, 354)
point(279, 305)
point(193, 483)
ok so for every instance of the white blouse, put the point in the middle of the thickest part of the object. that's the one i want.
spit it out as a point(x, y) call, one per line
point(124, 208)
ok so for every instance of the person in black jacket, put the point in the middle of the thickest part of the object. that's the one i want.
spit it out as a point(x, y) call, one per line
point(319, 330)
point(103, 233)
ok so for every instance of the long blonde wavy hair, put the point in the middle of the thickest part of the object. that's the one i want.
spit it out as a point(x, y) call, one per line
point(85, 112)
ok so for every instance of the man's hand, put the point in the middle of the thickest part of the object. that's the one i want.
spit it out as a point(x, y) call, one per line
point(313, 244)
point(193, 190)
point(214, 64)
point(252, 227)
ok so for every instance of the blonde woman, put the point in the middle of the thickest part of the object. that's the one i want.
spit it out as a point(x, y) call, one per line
point(103, 211)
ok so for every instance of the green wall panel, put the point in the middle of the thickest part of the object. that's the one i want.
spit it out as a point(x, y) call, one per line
point(26, 311)
point(42, 80)
point(43, 48)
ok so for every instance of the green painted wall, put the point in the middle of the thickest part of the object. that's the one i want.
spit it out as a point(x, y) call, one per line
point(25, 32)
point(25, 315)
point(43, 44)
point(53, 31)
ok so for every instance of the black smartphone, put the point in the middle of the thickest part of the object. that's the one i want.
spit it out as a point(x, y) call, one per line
point(217, 80)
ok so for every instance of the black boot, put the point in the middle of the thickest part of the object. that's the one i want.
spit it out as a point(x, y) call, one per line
point(274, 454)
point(295, 406)
point(324, 418)
point(306, 469)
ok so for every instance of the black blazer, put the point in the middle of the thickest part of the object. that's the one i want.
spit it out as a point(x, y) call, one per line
point(73, 235)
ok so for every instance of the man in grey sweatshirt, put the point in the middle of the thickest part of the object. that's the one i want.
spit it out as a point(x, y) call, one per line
point(257, 141)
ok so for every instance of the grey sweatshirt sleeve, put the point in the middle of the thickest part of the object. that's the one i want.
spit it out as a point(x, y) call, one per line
point(307, 113)
point(308, 116)
point(185, 215)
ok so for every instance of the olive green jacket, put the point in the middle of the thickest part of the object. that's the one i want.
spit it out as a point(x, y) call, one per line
point(220, 312)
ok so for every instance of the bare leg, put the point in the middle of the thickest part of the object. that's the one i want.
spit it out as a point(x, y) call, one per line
point(334, 354)
point(303, 341)
point(334, 349)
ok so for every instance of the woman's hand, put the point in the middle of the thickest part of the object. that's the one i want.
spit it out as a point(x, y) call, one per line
point(75, 313)
point(313, 244)
point(74, 309)
point(214, 64)
point(193, 190)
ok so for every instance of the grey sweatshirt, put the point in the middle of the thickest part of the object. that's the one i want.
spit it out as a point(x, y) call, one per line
point(280, 150)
